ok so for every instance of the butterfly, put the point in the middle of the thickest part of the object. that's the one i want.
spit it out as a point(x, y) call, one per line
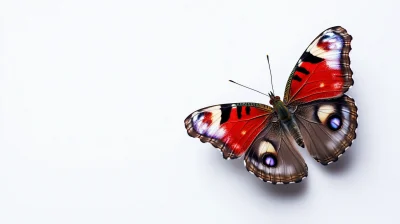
point(315, 113)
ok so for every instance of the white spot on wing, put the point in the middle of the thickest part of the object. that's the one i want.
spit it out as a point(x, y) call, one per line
point(214, 129)
point(324, 111)
point(202, 128)
point(335, 46)
point(265, 147)
point(333, 64)
point(329, 34)
point(337, 85)
point(195, 117)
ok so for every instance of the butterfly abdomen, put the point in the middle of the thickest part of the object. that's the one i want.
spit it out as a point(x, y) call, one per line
point(286, 118)
point(294, 131)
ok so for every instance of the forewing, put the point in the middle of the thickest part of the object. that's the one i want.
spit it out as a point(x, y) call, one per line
point(323, 70)
point(229, 127)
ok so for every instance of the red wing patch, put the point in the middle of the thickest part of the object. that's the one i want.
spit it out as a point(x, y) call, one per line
point(231, 128)
point(323, 71)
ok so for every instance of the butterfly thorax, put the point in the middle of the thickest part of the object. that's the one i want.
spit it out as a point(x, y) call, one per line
point(281, 110)
point(286, 118)
point(279, 107)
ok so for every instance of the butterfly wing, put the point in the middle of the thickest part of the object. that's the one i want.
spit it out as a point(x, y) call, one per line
point(273, 157)
point(327, 118)
point(323, 70)
point(231, 128)
point(328, 127)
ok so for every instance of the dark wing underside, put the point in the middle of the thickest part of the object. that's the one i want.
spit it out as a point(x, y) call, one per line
point(328, 127)
point(273, 157)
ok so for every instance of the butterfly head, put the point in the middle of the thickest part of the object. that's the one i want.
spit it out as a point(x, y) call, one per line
point(279, 107)
point(273, 99)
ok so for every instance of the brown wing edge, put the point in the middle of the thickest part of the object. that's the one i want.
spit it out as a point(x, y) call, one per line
point(345, 59)
point(297, 179)
point(352, 134)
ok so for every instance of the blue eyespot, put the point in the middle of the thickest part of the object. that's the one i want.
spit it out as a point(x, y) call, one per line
point(328, 35)
point(270, 160)
point(335, 122)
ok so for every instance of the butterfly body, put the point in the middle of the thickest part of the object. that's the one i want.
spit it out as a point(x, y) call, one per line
point(286, 118)
point(280, 108)
point(315, 114)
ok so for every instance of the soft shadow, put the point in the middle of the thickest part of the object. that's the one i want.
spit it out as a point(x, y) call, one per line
point(344, 163)
point(296, 190)
point(236, 167)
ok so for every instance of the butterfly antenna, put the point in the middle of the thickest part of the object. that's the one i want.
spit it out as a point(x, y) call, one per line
point(247, 87)
point(270, 73)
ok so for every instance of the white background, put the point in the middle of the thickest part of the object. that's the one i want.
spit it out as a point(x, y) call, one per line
point(93, 95)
